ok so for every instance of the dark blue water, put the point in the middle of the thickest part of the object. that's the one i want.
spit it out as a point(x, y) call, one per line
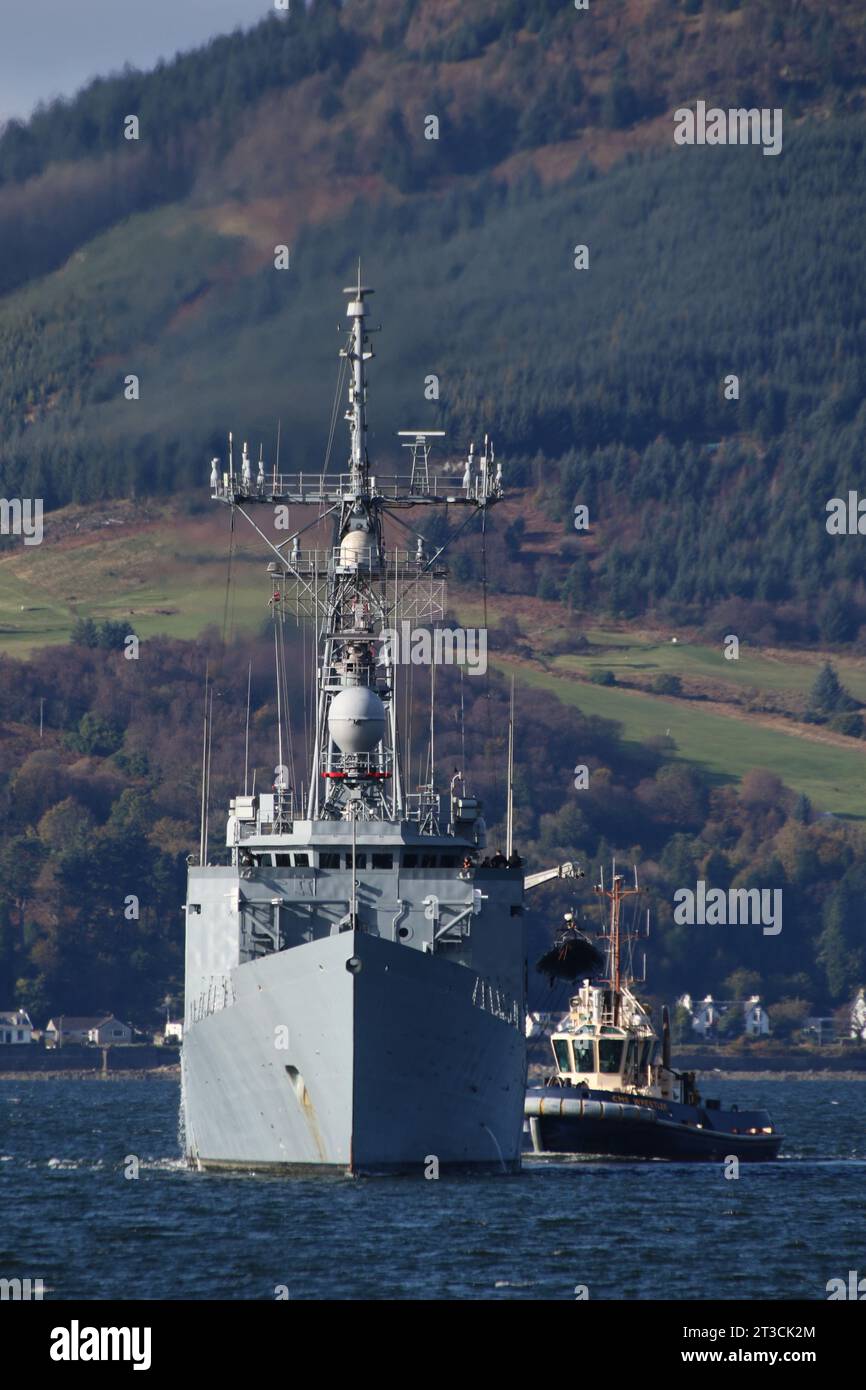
point(68, 1214)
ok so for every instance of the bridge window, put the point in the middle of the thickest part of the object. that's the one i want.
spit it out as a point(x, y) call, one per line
point(610, 1054)
point(410, 861)
point(560, 1049)
point(360, 860)
point(283, 861)
point(383, 861)
point(328, 860)
point(302, 861)
point(584, 1058)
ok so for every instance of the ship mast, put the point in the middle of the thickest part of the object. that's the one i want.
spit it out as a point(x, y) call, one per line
point(359, 353)
point(358, 591)
point(616, 895)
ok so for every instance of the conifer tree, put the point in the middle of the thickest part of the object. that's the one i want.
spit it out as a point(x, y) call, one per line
point(828, 695)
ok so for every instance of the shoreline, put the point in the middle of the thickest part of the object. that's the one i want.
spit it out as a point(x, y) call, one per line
point(706, 1075)
point(116, 1074)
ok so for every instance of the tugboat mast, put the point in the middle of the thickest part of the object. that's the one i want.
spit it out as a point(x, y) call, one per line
point(616, 895)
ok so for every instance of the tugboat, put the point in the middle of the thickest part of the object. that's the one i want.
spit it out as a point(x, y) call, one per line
point(615, 1092)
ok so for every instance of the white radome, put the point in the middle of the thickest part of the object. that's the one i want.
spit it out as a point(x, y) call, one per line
point(356, 719)
point(356, 548)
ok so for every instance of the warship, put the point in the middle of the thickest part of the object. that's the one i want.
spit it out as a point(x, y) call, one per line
point(614, 1091)
point(355, 973)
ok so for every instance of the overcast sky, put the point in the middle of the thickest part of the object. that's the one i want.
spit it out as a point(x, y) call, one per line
point(51, 48)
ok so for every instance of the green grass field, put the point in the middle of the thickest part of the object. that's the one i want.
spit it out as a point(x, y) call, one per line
point(167, 580)
point(170, 578)
point(645, 659)
point(834, 778)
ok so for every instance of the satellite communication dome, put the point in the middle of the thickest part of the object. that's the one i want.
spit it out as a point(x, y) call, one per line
point(356, 548)
point(356, 719)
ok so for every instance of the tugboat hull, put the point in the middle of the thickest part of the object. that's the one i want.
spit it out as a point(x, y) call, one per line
point(635, 1127)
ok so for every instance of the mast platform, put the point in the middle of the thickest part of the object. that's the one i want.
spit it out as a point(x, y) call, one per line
point(403, 489)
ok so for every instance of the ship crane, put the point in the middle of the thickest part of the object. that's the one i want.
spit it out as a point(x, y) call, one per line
point(566, 870)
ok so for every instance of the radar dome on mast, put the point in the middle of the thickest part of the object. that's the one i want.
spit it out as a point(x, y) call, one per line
point(356, 719)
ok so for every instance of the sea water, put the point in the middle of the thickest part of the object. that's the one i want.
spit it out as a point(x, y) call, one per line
point(97, 1202)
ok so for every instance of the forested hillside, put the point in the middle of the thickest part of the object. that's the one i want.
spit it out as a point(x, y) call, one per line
point(101, 811)
point(156, 258)
point(605, 386)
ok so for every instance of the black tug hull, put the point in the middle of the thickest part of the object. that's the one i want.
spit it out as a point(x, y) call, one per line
point(609, 1126)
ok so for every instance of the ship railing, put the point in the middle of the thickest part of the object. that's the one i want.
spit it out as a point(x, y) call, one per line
point(365, 767)
point(390, 564)
point(493, 1001)
point(424, 808)
point(217, 995)
point(335, 487)
point(368, 556)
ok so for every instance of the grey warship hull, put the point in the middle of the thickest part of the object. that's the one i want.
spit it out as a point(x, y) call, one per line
point(355, 970)
point(369, 1080)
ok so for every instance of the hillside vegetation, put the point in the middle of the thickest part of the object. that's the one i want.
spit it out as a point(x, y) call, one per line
point(155, 257)
point(101, 809)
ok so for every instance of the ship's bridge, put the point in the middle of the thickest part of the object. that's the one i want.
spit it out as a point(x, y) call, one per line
point(329, 844)
point(258, 820)
point(603, 1057)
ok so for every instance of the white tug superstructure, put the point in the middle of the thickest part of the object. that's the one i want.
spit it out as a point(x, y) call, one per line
point(607, 1041)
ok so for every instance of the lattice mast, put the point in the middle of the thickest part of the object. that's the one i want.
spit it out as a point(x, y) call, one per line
point(358, 589)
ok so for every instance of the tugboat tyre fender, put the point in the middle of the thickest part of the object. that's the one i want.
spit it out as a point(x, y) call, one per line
point(566, 1107)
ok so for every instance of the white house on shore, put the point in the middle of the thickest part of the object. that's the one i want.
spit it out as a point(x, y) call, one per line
point(858, 1016)
point(15, 1027)
point(110, 1030)
point(101, 1029)
point(706, 1014)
